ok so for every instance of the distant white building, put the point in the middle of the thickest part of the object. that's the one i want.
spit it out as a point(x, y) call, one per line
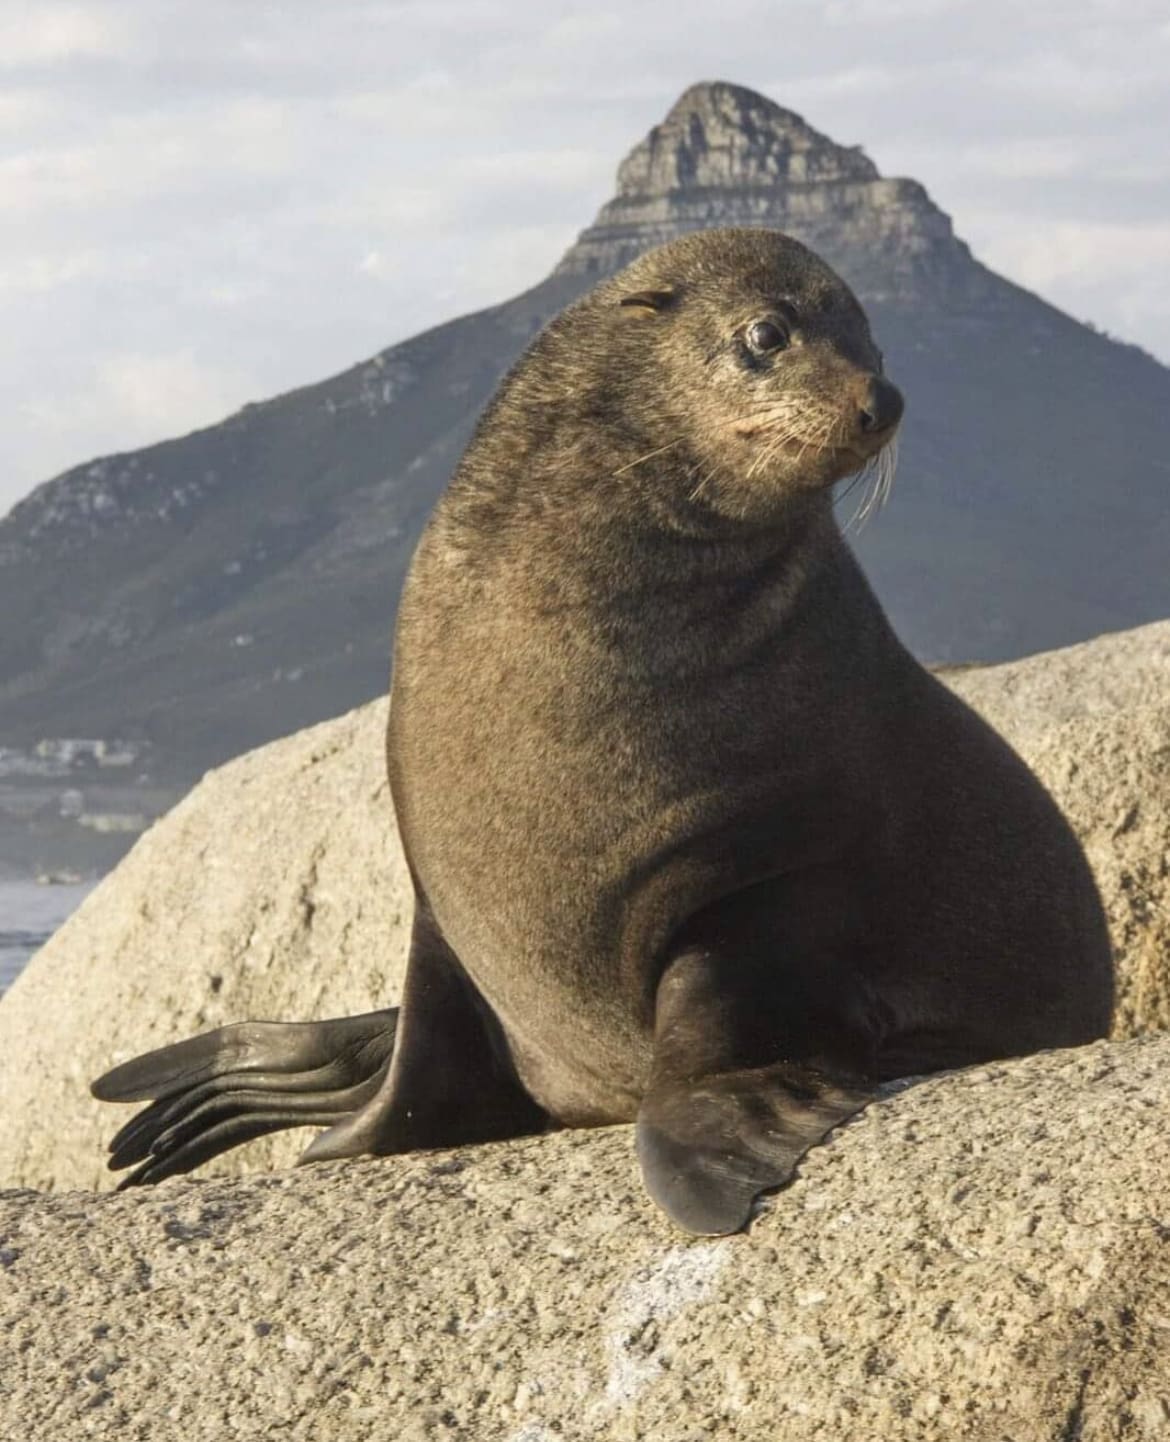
point(113, 821)
point(71, 803)
point(70, 750)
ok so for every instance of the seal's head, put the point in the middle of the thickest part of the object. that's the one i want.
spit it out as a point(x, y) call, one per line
point(743, 362)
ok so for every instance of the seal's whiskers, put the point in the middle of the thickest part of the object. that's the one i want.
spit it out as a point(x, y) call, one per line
point(878, 474)
point(791, 422)
point(637, 461)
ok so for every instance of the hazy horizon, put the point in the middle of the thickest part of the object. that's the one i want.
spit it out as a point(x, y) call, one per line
point(209, 207)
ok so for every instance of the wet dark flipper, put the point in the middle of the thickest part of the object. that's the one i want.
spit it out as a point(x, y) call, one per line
point(173, 1136)
point(709, 1147)
point(306, 1054)
point(754, 1062)
point(208, 1143)
point(226, 1087)
point(226, 1096)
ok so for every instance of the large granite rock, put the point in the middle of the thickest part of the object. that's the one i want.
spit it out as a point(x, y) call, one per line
point(1121, 671)
point(983, 1256)
point(277, 890)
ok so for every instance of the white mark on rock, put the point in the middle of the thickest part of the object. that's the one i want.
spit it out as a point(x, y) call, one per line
point(490, 1318)
point(652, 1296)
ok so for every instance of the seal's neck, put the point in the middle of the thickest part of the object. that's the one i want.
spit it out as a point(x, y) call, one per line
point(634, 551)
point(660, 545)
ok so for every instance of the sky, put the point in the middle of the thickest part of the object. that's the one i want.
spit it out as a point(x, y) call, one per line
point(206, 202)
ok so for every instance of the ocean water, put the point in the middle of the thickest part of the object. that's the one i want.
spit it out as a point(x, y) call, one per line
point(29, 915)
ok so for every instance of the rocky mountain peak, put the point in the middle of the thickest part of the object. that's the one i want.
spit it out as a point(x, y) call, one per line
point(725, 155)
point(718, 135)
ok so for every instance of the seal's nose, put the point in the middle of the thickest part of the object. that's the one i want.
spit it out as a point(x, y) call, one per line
point(882, 406)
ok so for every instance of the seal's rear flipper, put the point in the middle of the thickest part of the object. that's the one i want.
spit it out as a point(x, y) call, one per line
point(709, 1146)
point(226, 1087)
point(452, 1080)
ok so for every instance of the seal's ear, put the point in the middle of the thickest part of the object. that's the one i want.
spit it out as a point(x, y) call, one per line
point(648, 301)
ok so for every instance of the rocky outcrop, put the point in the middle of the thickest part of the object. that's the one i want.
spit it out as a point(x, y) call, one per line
point(277, 889)
point(1121, 671)
point(984, 1257)
point(727, 156)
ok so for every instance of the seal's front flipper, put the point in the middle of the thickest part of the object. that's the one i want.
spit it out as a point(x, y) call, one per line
point(709, 1146)
point(756, 1059)
point(226, 1087)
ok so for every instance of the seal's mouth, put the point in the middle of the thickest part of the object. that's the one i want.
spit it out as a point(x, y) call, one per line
point(850, 454)
point(830, 445)
point(857, 425)
point(803, 444)
point(863, 446)
point(867, 447)
point(780, 440)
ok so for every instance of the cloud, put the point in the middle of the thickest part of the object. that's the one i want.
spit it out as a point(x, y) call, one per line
point(565, 168)
point(38, 33)
point(21, 111)
point(31, 274)
point(126, 400)
point(148, 157)
point(1068, 249)
point(147, 391)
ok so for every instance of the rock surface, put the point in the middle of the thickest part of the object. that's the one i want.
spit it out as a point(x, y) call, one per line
point(1121, 671)
point(277, 890)
point(982, 1256)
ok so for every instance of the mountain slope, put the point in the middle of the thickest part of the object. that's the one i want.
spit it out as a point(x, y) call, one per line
point(211, 592)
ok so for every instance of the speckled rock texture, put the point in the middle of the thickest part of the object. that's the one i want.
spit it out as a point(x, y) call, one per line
point(984, 1255)
point(277, 890)
point(1121, 671)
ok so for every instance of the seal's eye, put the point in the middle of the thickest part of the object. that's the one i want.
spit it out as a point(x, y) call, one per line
point(763, 336)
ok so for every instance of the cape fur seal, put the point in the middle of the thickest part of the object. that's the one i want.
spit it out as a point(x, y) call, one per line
point(695, 841)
